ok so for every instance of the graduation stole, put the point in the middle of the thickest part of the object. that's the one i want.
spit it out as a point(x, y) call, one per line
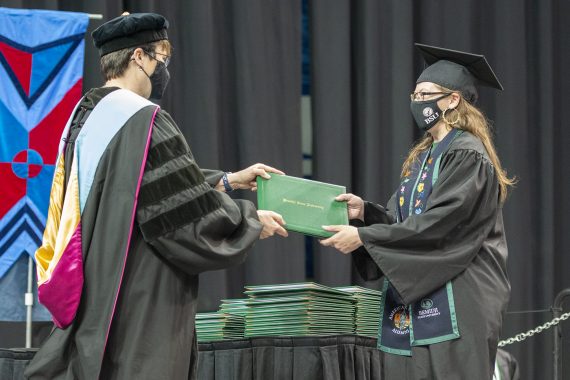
point(431, 319)
point(60, 257)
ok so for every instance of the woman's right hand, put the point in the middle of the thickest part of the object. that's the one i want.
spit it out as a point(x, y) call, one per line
point(355, 205)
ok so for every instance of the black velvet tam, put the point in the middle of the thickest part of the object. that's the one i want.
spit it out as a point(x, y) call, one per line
point(129, 31)
point(457, 70)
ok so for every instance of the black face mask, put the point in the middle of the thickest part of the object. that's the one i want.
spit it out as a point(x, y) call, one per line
point(158, 80)
point(426, 113)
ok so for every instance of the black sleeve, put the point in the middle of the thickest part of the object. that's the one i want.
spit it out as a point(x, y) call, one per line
point(377, 214)
point(373, 214)
point(425, 251)
point(212, 177)
point(189, 223)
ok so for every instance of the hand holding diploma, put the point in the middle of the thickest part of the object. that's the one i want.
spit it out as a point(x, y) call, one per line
point(245, 179)
point(346, 238)
point(355, 206)
point(272, 224)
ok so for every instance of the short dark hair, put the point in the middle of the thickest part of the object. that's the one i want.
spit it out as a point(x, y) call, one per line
point(114, 65)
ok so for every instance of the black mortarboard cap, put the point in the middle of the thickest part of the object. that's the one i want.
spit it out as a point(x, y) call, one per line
point(457, 70)
point(129, 31)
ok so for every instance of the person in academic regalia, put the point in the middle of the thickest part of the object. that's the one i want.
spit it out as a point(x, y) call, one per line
point(132, 222)
point(439, 243)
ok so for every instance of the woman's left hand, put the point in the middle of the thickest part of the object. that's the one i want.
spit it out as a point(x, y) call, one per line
point(345, 240)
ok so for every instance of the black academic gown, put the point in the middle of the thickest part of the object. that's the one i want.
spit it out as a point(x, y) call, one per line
point(137, 322)
point(458, 238)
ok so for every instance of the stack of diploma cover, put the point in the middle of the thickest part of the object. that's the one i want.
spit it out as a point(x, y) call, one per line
point(304, 204)
point(305, 309)
point(237, 306)
point(367, 314)
point(218, 326)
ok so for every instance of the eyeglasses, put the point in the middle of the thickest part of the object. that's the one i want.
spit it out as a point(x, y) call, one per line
point(420, 95)
point(166, 59)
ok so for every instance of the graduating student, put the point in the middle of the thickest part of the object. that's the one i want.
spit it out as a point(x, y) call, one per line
point(132, 222)
point(440, 242)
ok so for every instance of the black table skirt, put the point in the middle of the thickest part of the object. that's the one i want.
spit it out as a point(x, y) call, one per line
point(300, 358)
point(13, 362)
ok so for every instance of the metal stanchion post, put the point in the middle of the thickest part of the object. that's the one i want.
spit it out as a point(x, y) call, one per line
point(557, 331)
point(29, 302)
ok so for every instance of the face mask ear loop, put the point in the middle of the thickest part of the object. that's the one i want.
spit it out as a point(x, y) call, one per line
point(141, 68)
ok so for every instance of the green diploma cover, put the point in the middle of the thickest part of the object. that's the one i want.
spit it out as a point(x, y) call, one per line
point(304, 204)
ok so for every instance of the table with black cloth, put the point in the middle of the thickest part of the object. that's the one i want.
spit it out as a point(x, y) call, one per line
point(298, 358)
point(14, 361)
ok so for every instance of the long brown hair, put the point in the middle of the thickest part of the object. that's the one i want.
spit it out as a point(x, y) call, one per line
point(471, 119)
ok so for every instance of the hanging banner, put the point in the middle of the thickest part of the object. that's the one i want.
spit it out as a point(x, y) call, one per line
point(41, 70)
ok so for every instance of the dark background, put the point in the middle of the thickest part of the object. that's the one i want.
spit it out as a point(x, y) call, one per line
point(235, 93)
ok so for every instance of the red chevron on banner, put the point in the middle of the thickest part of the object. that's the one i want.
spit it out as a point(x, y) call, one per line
point(21, 64)
point(12, 193)
point(44, 138)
